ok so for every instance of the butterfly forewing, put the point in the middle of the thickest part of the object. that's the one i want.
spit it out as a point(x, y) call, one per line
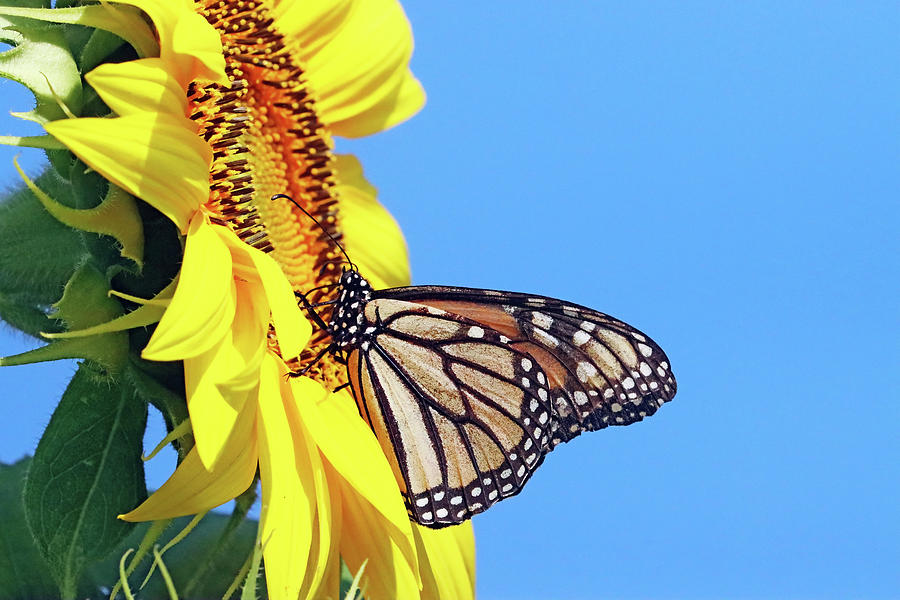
point(460, 411)
point(601, 370)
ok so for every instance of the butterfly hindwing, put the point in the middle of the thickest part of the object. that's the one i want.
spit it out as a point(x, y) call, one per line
point(463, 413)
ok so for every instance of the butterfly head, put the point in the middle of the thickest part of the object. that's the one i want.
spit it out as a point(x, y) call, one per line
point(347, 319)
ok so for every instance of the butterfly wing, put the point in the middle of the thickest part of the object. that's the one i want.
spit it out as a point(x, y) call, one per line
point(461, 413)
point(601, 371)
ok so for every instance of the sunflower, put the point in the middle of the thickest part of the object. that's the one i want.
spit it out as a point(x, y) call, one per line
point(228, 103)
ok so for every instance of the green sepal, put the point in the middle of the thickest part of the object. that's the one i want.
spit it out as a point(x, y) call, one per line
point(99, 46)
point(116, 216)
point(56, 84)
point(47, 142)
point(38, 254)
point(86, 470)
point(85, 302)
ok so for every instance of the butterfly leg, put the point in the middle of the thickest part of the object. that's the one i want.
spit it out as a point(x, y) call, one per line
point(311, 363)
point(312, 313)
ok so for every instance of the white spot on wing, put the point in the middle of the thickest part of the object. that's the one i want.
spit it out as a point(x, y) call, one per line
point(542, 337)
point(585, 371)
point(476, 332)
point(581, 337)
point(541, 320)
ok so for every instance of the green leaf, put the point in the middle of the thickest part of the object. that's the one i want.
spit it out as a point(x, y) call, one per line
point(23, 572)
point(18, 311)
point(87, 469)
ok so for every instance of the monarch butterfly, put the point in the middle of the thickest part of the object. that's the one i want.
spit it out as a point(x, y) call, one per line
point(467, 390)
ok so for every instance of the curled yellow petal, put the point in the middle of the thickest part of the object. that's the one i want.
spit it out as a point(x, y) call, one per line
point(288, 476)
point(393, 108)
point(187, 42)
point(156, 157)
point(349, 446)
point(448, 562)
point(291, 325)
point(365, 537)
point(310, 25)
point(364, 65)
point(203, 307)
point(372, 237)
point(138, 86)
point(219, 381)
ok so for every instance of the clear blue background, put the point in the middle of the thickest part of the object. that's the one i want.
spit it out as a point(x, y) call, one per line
point(723, 176)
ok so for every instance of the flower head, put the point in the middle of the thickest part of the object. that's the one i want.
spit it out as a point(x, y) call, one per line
point(237, 102)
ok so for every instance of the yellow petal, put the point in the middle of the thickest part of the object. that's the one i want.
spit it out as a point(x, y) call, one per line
point(138, 86)
point(366, 537)
point(364, 65)
point(321, 550)
point(406, 99)
point(332, 575)
point(219, 381)
point(156, 157)
point(310, 25)
point(291, 325)
point(288, 475)
point(372, 237)
point(194, 489)
point(203, 308)
point(348, 444)
point(187, 42)
point(448, 562)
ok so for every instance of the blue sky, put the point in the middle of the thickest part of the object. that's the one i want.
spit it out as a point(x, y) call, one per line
point(724, 177)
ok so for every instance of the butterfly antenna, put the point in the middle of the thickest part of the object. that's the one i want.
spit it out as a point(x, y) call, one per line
point(314, 220)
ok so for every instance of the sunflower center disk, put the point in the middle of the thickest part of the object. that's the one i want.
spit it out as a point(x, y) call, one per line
point(267, 139)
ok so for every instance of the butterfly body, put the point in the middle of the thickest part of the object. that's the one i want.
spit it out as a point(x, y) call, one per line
point(467, 390)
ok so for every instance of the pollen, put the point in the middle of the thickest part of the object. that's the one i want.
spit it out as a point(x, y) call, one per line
point(267, 139)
